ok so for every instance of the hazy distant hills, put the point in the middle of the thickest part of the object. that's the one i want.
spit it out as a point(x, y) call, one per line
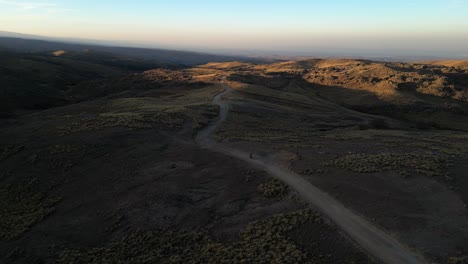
point(29, 43)
point(35, 43)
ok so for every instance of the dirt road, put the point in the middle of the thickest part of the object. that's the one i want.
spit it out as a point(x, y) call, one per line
point(374, 241)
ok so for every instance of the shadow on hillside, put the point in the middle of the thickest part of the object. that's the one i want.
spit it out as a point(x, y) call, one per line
point(424, 113)
point(457, 78)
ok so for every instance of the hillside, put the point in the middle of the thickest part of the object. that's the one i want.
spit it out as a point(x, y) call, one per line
point(449, 63)
point(428, 95)
point(35, 81)
point(160, 55)
point(307, 161)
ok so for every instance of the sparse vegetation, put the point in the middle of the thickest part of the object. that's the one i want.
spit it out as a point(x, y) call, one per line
point(273, 189)
point(21, 206)
point(457, 260)
point(199, 115)
point(260, 242)
point(61, 149)
point(429, 165)
point(172, 118)
point(10, 151)
point(127, 120)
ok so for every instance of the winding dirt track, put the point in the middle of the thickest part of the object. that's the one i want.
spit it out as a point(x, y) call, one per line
point(377, 243)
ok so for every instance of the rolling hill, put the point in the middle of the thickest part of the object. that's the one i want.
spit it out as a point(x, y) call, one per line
point(160, 55)
point(40, 80)
point(120, 159)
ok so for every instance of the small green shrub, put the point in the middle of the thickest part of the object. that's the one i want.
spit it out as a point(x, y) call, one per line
point(273, 188)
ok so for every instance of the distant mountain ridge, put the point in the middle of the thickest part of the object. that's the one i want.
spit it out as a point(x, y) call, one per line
point(31, 43)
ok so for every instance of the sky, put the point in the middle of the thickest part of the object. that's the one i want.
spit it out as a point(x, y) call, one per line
point(292, 27)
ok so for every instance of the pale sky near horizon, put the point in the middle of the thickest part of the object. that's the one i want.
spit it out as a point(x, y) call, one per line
point(294, 26)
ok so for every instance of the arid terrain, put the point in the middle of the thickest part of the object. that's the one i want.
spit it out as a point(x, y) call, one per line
point(233, 162)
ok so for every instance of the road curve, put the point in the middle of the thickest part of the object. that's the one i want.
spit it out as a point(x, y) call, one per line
point(374, 241)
